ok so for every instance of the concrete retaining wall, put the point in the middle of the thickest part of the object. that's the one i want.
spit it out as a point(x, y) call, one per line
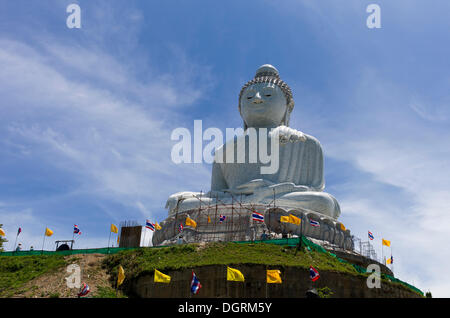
point(295, 284)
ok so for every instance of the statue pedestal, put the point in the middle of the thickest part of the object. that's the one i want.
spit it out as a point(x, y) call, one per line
point(234, 222)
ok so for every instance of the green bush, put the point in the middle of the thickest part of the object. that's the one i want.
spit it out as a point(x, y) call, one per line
point(107, 292)
point(324, 292)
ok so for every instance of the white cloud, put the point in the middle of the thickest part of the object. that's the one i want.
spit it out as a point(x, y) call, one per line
point(119, 148)
point(404, 198)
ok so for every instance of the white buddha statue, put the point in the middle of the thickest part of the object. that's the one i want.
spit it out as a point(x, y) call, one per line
point(266, 102)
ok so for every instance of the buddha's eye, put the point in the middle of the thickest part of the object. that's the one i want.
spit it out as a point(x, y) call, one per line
point(267, 92)
point(249, 97)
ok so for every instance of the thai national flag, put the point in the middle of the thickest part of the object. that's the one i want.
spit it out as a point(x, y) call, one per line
point(222, 218)
point(314, 223)
point(180, 228)
point(370, 235)
point(313, 274)
point(257, 217)
point(76, 230)
point(19, 230)
point(84, 290)
point(195, 284)
point(149, 225)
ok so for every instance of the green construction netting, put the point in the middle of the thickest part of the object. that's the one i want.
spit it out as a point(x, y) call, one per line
point(307, 243)
point(287, 241)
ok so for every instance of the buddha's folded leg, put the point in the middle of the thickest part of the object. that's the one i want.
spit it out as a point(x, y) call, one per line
point(191, 203)
point(320, 202)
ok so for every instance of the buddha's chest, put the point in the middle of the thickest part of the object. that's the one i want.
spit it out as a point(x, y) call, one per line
point(287, 164)
point(299, 163)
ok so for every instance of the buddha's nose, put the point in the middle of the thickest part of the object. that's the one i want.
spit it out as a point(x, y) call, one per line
point(257, 99)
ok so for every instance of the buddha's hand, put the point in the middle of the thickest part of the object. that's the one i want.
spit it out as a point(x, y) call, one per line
point(252, 186)
point(286, 134)
point(278, 189)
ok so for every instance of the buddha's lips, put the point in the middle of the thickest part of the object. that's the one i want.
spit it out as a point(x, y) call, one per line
point(258, 106)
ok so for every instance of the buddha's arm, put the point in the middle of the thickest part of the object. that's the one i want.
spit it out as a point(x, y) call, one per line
point(218, 182)
point(315, 166)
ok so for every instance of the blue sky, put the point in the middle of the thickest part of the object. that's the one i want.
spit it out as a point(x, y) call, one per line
point(86, 114)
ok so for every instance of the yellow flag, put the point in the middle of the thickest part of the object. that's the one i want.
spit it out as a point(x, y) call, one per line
point(234, 275)
point(114, 229)
point(190, 222)
point(161, 278)
point(389, 261)
point(118, 240)
point(157, 226)
point(48, 232)
point(209, 219)
point(2, 233)
point(294, 220)
point(284, 219)
point(120, 276)
point(386, 242)
point(343, 227)
point(273, 276)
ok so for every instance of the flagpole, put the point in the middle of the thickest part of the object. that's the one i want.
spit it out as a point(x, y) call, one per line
point(190, 291)
point(226, 285)
point(43, 241)
point(109, 239)
point(15, 242)
point(301, 226)
point(274, 198)
point(266, 284)
point(73, 237)
point(392, 263)
point(145, 231)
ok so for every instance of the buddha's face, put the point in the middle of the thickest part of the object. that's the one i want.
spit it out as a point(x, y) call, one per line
point(263, 105)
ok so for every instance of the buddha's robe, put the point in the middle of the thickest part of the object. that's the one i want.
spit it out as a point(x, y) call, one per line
point(300, 163)
point(298, 182)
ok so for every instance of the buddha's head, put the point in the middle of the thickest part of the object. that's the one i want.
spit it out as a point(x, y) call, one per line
point(266, 101)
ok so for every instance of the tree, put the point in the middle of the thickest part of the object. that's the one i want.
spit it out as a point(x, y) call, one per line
point(2, 240)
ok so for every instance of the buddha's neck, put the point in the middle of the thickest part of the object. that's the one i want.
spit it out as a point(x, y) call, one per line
point(269, 127)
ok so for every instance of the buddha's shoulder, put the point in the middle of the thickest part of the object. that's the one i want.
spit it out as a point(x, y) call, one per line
point(312, 140)
point(311, 144)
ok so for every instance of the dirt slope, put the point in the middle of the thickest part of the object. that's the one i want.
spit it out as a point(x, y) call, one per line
point(54, 284)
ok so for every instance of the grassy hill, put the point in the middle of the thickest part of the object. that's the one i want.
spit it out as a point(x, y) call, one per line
point(146, 260)
point(15, 272)
point(43, 276)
